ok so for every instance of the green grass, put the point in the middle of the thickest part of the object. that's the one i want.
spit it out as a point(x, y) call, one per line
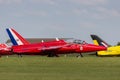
point(62, 68)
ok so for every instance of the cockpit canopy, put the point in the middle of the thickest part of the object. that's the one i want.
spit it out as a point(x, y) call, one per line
point(77, 41)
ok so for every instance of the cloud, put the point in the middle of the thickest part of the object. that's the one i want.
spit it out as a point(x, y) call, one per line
point(37, 13)
point(80, 11)
point(88, 25)
point(30, 13)
point(10, 1)
point(90, 2)
point(102, 13)
point(111, 12)
point(50, 2)
point(97, 12)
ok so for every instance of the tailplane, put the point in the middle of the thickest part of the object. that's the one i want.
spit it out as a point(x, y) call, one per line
point(16, 38)
point(3, 46)
point(98, 41)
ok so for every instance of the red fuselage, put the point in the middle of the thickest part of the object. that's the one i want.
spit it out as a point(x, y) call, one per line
point(56, 47)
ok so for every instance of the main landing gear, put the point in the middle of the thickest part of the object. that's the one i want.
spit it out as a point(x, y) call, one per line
point(52, 55)
point(80, 55)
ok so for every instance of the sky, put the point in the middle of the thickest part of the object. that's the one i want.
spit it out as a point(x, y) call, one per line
point(61, 18)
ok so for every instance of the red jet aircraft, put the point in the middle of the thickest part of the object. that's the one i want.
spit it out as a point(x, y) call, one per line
point(51, 48)
point(5, 50)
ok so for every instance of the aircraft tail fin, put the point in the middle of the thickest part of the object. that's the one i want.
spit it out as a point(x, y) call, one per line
point(16, 38)
point(98, 41)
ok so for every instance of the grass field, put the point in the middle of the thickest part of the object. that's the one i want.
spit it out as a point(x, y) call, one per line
point(62, 68)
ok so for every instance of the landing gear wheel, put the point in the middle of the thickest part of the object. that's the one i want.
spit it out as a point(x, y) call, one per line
point(80, 55)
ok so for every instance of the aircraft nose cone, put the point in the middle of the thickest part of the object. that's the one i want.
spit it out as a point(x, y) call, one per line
point(94, 48)
point(99, 48)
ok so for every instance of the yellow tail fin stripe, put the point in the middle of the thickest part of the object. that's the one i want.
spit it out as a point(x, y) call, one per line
point(95, 42)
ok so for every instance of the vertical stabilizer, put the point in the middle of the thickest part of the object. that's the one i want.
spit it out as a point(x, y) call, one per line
point(98, 41)
point(16, 38)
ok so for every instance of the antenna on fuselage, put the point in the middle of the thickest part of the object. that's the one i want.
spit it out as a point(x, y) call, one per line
point(57, 39)
point(42, 41)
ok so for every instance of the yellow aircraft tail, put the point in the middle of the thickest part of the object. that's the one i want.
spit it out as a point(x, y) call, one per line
point(111, 50)
point(98, 41)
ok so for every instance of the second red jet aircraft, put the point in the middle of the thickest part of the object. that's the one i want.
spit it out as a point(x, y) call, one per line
point(50, 48)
